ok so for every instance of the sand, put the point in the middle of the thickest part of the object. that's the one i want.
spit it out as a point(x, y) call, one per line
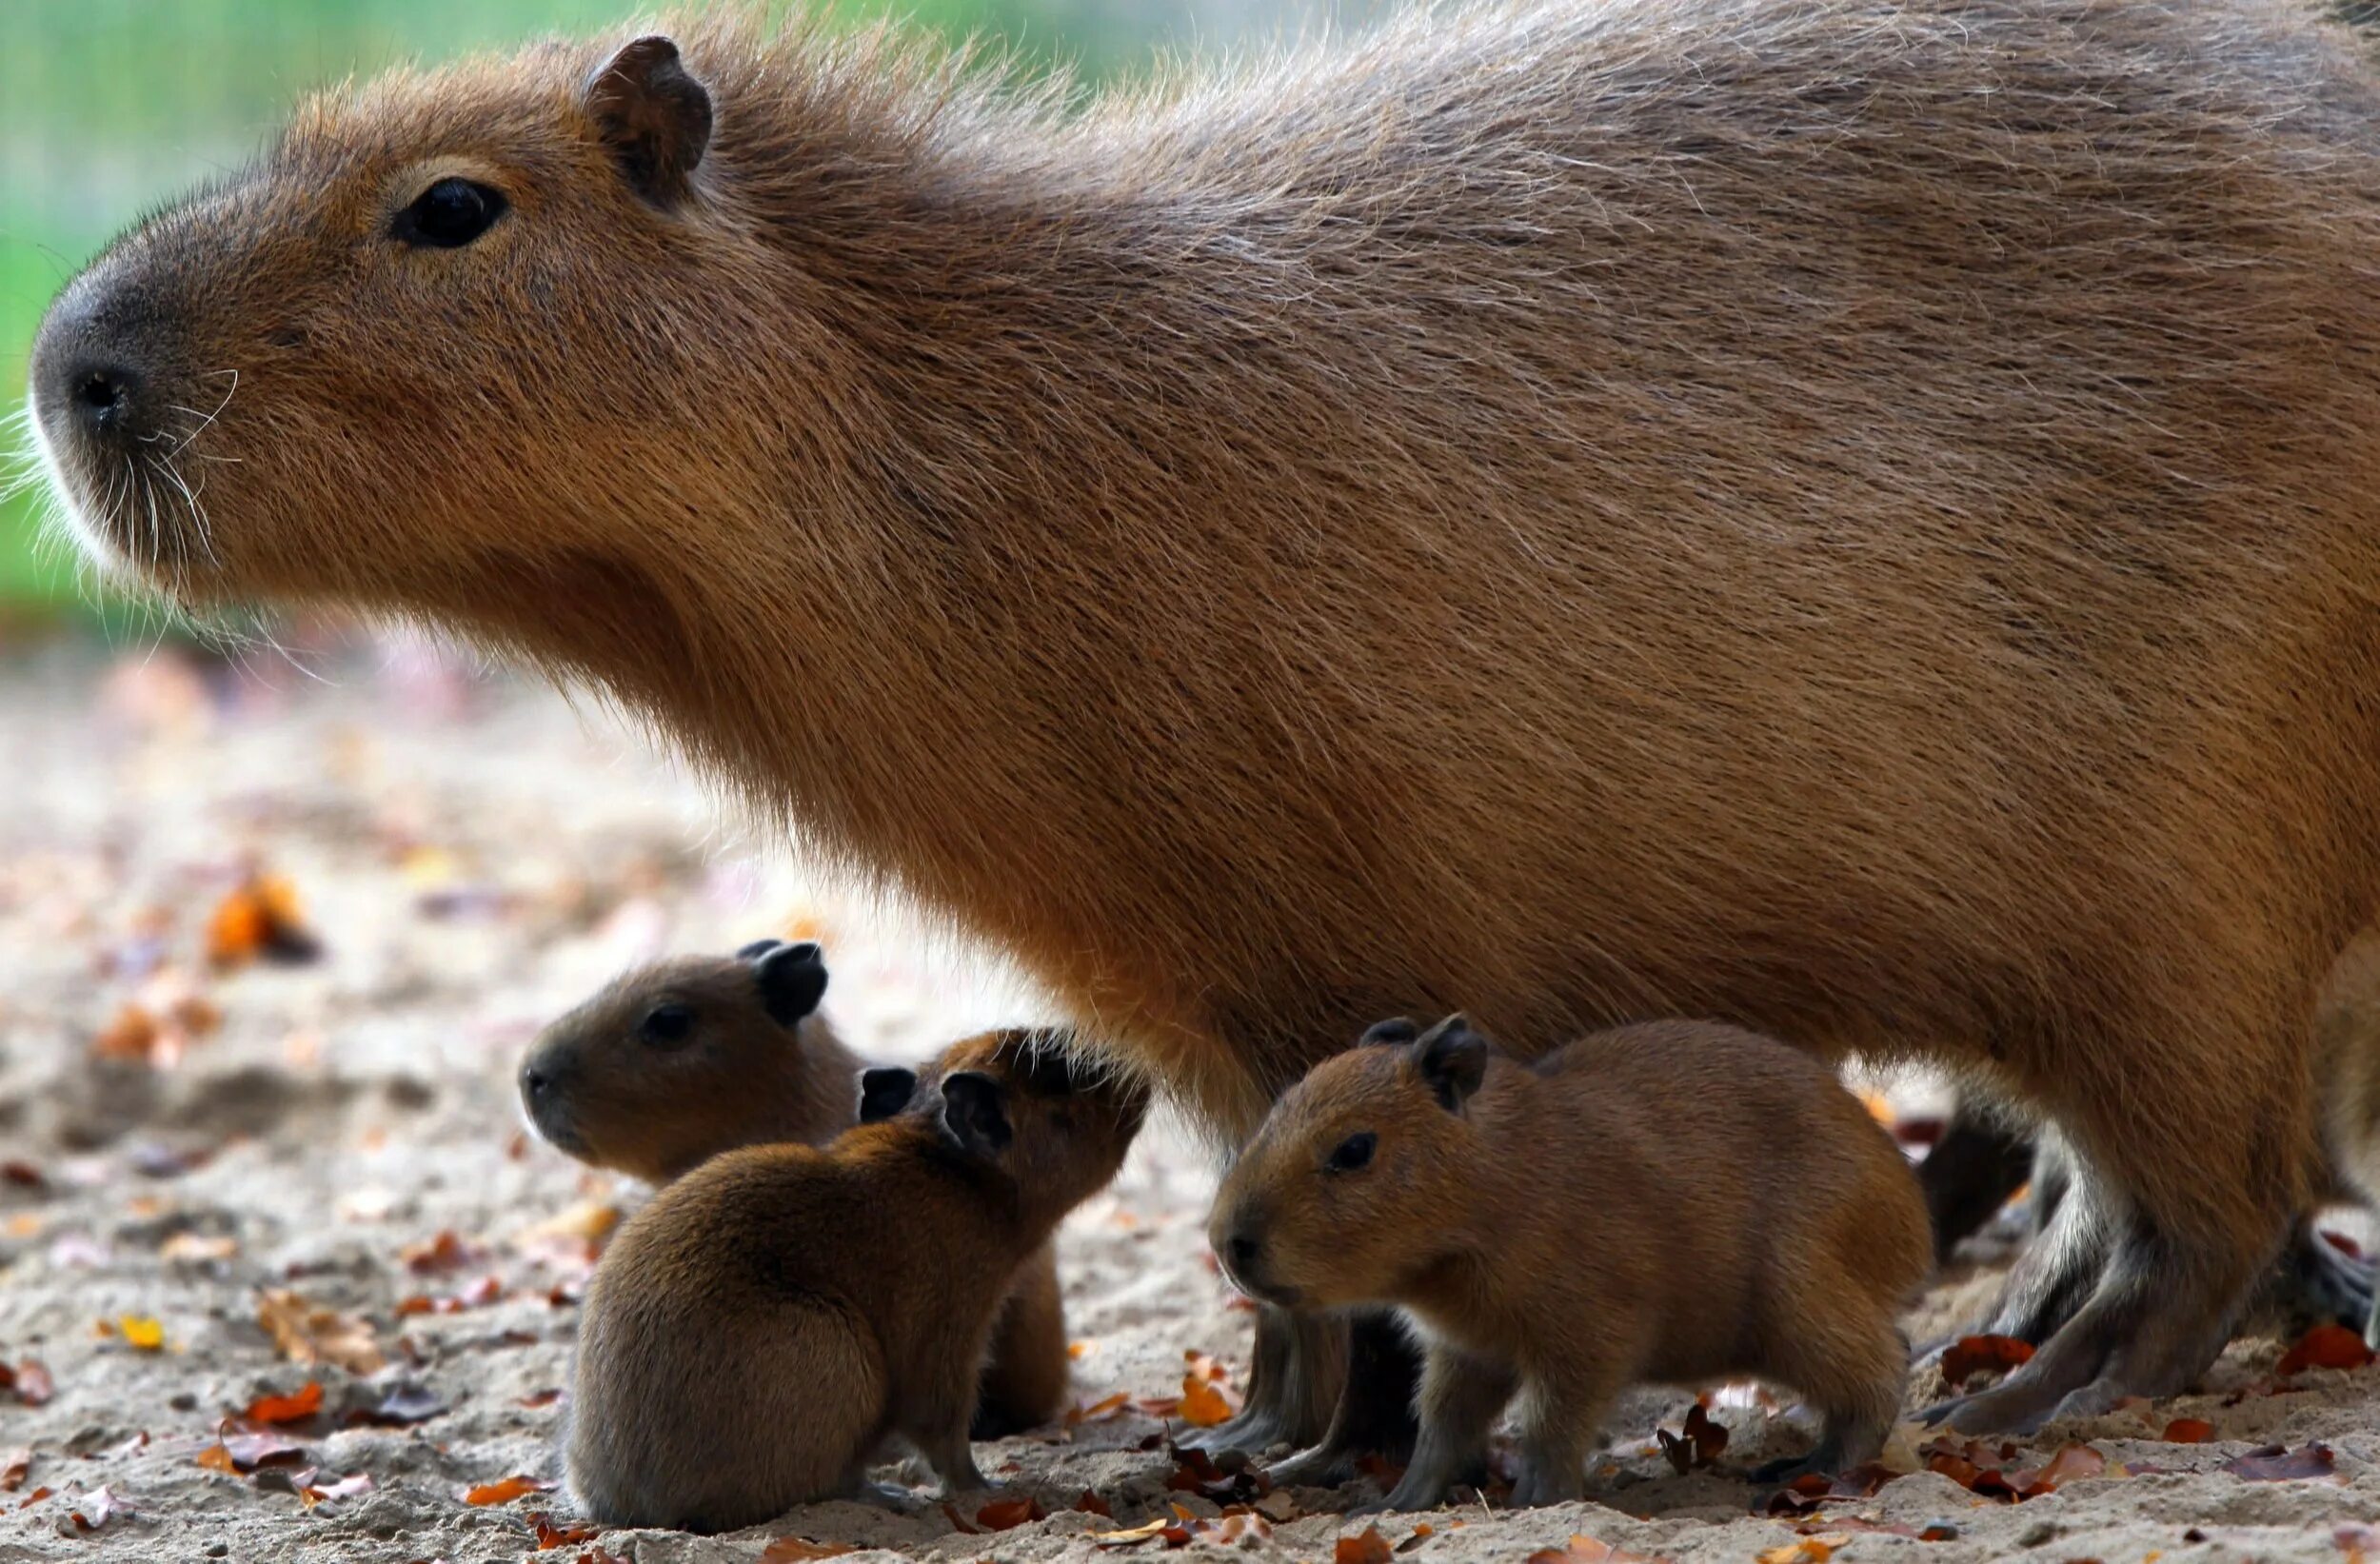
point(474, 856)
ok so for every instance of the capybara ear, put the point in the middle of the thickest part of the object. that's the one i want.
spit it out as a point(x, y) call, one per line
point(1393, 1033)
point(885, 1091)
point(1453, 1059)
point(792, 980)
point(757, 949)
point(653, 115)
point(974, 1114)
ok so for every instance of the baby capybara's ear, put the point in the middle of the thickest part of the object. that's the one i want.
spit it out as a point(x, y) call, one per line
point(792, 980)
point(1395, 1033)
point(653, 115)
point(885, 1091)
point(976, 1114)
point(1452, 1058)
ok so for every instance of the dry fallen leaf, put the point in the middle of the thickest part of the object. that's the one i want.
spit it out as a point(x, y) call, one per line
point(1091, 1504)
point(1006, 1515)
point(194, 1248)
point(1582, 1548)
point(505, 1491)
point(28, 1381)
point(796, 1550)
point(1972, 1354)
point(1206, 1403)
point(439, 1255)
point(2187, 1430)
point(1808, 1551)
point(259, 920)
point(351, 1486)
point(217, 1457)
point(1365, 1546)
point(2325, 1347)
point(1131, 1537)
point(2277, 1463)
point(249, 1451)
point(15, 1463)
point(97, 1508)
point(309, 1334)
point(1106, 1407)
point(301, 1404)
point(551, 1536)
point(142, 1333)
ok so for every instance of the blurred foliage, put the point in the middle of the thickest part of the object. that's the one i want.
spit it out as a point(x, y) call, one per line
point(108, 107)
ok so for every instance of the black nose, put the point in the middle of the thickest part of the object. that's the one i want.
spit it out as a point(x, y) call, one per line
point(535, 1081)
point(88, 367)
point(1243, 1252)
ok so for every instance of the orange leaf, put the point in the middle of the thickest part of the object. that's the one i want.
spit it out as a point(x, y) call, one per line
point(143, 1333)
point(1106, 1407)
point(1366, 1547)
point(505, 1491)
point(2325, 1347)
point(1005, 1515)
point(1972, 1354)
point(1090, 1503)
point(797, 1549)
point(308, 1335)
point(215, 1457)
point(551, 1536)
point(287, 1408)
point(1808, 1551)
point(1582, 1548)
point(15, 1463)
point(1206, 1402)
point(2189, 1431)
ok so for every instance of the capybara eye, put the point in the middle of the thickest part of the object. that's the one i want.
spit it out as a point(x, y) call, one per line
point(1354, 1152)
point(666, 1025)
point(451, 213)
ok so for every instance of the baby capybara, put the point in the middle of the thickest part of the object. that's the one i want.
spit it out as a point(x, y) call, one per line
point(754, 1337)
point(1672, 1201)
point(678, 1061)
point(1855, 518)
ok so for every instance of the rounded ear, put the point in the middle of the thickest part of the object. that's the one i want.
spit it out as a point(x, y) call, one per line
point(1395, 1033)
point(792, 980)
point(885, 1091)
point(1452, 1060)
point(974, 1114)
point(653, 115)
point(757, 949)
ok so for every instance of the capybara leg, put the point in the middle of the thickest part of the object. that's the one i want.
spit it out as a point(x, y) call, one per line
point(1460, 1397)
point(2315, 1283)
point(1978, 1164)
point(2059, 1267)
point(1857, 1380)
point(1294, 1380)
point(1558, 1414)
point(1375, 1415)
point(1025, 1377)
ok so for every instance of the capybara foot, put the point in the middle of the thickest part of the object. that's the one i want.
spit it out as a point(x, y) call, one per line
point(2316, 1283)
point(2058, 1271)
point(1294, 1384)
point(1326, 1465)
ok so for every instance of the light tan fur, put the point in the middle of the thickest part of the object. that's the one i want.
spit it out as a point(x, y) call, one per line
point(754, 1335)
point(1851, 518)
point(597, 1088)
point(1672, 1201)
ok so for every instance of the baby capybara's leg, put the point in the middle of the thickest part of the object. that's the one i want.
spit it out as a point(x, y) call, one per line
point(1856, 1373)
point(2192, 1164)
point(1459, 1396)
point(1025, 1377)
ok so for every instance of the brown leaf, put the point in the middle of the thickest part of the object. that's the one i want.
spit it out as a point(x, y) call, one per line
point(1206, 1403)
point(1091, 1504)
point(796, 1550)
point(32, 1383)
point(15, 1463)
point(275, 1410)
point(1237, 1528)
point(1809, 1550)
point(2187, 1430)
point(1582, 1548)
point(2069, 1464)
point(2325, 1347)
point(1006, 1515)
point(259, 920)
point(1366, 1547)
point(440, 1254)
point(22, 1173)
point(1972, 1354)
point(1421, 1533)
point(2277, 1463)
point(249, 1451)
point(505, 1491)
point(551, 1536)
point(217, 1459)
point(309, 1334)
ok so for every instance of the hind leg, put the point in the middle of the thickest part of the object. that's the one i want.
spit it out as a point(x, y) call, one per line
point(1295, 1376)
point(2191, 1177)
point(1375, 1415)
point(1978, 1164)
point(1856, 1376)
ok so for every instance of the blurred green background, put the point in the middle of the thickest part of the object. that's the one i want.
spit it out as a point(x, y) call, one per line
point(108, 106)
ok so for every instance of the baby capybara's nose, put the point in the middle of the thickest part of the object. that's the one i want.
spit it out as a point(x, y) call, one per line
point(1244, 1254)
point(91, 378)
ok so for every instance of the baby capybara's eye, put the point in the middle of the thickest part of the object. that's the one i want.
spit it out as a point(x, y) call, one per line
point(666, 1025)
point(450, 214)
point(1353, 1153)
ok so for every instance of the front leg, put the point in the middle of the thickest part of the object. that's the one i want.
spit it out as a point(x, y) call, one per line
point(1294, 1381)
point(1562, 1407)
point(1375, 1415)
point(934, 1418)
point(1460, 1395)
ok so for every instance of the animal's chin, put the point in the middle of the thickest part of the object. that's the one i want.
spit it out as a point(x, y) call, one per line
point(69, 510)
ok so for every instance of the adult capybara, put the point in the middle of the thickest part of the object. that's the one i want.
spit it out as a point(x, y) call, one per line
point(1860, 519)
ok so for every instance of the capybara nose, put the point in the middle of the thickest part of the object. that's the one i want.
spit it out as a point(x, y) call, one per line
point(1242, 1252)
point(86, 371)
point(534, 1082)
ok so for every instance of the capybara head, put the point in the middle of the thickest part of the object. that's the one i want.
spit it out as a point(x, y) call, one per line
point(1337, 1197)
point(1024, 1104)
point(455, 323)
point(676, 1062)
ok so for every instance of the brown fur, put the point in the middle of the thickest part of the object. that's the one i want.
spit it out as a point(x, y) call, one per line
point(754, 1335)
point(1850, 518)
point(1672, 1201)
point(599, 1090)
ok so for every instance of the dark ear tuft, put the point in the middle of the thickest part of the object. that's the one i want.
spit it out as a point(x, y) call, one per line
point(974, 1114)
point(1453, 1059)
point(653, 115)
point(792, 980)
point(757, 949)
point(1395, 1034)
point(885, 1091)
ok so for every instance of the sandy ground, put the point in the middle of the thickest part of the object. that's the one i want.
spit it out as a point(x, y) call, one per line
point(472, 858)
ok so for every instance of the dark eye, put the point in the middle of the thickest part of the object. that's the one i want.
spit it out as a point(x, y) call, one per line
point(1353, 1153)
point(666, 1025)
point(451, 213)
